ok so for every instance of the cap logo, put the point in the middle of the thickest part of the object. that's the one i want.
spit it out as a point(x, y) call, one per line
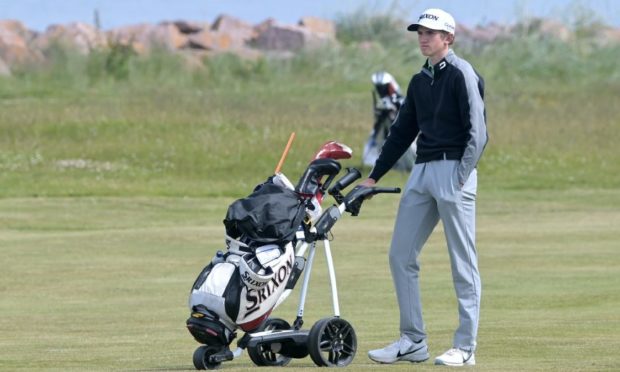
point(428, 16)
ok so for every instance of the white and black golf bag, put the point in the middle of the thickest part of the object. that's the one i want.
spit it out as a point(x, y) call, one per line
point(241, 286)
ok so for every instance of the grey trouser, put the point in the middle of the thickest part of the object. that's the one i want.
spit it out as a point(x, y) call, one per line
point(433, 193)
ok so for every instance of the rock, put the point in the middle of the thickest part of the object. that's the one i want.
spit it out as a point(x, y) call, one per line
point(238, 32)
point(14, 45)
point(278, 37)
point(144, 37)
point(18, 28)
point(167, 36)
point(209, 40)
point(81, 37)
point(131, 35)
point(187, 28)
point(289, 38)
point(264, 26)
point(213, 42)
point(320, 26)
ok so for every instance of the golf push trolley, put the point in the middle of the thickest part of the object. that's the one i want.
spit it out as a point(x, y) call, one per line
point(241, 287)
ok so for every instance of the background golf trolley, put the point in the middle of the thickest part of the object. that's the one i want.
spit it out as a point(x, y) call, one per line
point(331, 341)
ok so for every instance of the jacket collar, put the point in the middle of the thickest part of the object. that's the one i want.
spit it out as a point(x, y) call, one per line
point(435, 71)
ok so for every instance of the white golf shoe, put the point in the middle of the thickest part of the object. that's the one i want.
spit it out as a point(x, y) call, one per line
point(401, 350)
point(456, 358)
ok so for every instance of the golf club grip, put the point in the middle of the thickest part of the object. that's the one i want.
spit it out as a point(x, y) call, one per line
point(351, 176)
point(386, 190)
point(328, 182)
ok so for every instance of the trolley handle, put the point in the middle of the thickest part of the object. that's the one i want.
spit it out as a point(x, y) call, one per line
point(351, 203)
point(386, 190)
point(354, 199)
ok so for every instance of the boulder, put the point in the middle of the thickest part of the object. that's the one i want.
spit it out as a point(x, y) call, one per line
point(320, 26)
point(145, 37)
point(81, 37)
point(238, 32)
point(209, 40)
point(213, 42)
point(18, 28)
point(131, 35)
point(289, 38)
point(187, 28)
point(14, 45)
point(167, 36)
point(264, 26)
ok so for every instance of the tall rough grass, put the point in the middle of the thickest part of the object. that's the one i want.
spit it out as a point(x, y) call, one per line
point(115, 123)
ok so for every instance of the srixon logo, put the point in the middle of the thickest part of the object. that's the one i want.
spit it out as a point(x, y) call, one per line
point(255, 297)
point(428, 16)
point(248, 279)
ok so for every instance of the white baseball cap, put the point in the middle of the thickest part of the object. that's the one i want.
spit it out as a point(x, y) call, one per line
point(435, 19)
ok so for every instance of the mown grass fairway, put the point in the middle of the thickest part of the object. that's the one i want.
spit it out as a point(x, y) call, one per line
point(102, 283)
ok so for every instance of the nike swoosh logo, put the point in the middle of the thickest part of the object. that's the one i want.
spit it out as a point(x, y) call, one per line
point(409, 352)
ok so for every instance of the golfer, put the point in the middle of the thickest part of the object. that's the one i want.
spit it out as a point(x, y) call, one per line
point(444, 107)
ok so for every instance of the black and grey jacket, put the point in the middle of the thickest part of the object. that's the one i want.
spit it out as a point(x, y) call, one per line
point(445, 109)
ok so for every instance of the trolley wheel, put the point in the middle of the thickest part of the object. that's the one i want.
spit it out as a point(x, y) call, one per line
point(332, 342)
point(201, 358)
point(265, 355)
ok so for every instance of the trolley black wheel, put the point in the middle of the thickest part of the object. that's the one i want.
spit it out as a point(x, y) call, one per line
point(267, 355)
point(332, 342)
point(201, 358)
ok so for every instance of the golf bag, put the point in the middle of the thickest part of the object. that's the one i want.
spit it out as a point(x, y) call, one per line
point(387, 100)
point(240, 287)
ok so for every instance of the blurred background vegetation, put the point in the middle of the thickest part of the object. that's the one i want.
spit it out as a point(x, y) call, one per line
point(115, 123)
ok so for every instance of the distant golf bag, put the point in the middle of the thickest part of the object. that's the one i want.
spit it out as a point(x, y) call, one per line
point(387, 100)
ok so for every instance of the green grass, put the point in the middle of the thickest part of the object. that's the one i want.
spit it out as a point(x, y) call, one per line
point(115, 124)
point(102, 283)
point(198, 142)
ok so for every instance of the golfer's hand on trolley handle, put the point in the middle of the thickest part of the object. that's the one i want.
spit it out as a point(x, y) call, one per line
point(368, 182)
point(364, 191)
